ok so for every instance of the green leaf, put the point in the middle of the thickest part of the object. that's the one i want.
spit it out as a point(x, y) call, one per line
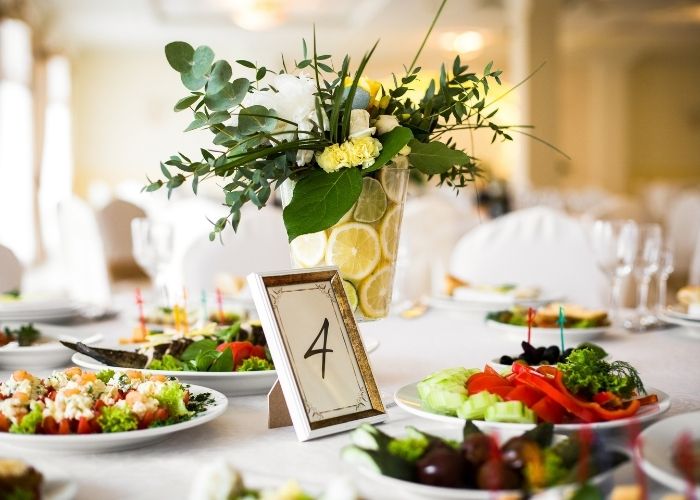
point(256, 119)
point(220, 74)
point(320, 200)
point(435, 157)
point(228, 97)
point(194, 349)
point(185, 102)
point(165, 171)
point(179, 56)
point(261, 73)
point(200, 120)
point(245, 63)
point(225, 135)
point(193, 82)
point(218, 117)
point(224, 362)
point(203, 57)
point(392, 143)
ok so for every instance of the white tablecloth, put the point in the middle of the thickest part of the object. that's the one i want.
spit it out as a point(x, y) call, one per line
point(409, 349)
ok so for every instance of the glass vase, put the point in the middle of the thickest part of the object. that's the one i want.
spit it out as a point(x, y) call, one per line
point(363, 244)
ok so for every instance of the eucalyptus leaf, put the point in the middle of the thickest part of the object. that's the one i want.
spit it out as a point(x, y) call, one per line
point(227, 134)
point(192, 82)
point(256, 118)
point(202, 59)
point(228, 97)
point(185, 102)
point(435, 157)
point(320, 200)
point(179, 56)
point(220, 74)
point(392, 143)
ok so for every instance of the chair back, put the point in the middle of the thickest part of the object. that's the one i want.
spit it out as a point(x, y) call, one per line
point(10, 270)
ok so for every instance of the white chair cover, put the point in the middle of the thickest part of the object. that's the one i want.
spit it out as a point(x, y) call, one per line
point(533, 247)
point(615, 208)
point(259, 245)
point(431, 226)
point(115, 226)
point(683, 229)
point(10, 270)
point(83, 255)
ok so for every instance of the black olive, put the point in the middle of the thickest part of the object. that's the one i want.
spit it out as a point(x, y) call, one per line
point(528, 349)
point(551, 354)
point(518, 450)
point(506, 360)
point(540, 354)
point(496, 475)
point(566, 353)
point(476, 448)
point(443, 466)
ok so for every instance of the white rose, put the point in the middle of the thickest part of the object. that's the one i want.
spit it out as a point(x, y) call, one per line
point(386, 123)
point(359, 124)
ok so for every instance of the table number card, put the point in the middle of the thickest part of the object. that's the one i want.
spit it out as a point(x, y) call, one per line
point(318, 353)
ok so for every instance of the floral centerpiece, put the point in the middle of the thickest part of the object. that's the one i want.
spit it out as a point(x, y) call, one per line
point(338, 145)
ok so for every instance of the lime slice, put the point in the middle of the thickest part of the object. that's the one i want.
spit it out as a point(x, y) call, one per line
point(389, 232)
point(371, 204)
point(354, 248)
point(393, 183)
point(375, 293)
point(351, 294)
point(309, 249)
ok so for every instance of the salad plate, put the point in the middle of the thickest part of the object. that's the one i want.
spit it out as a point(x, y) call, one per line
point(116, 441)
point(229, 383)
point(370, 459)
point(45, 351)
point(451, 303)
point(681, 312)
point(408, 399)
point(657, 453)
point(548, 335)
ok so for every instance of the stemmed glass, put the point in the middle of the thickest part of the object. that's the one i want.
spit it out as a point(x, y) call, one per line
point(664, 272)
point(646, 264)
point(614, 245)
point(152, 246)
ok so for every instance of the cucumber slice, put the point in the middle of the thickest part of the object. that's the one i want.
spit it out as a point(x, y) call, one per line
point(369, 437)
point(446, 400)
point(378, 461)
point(475, 407)
point(513, 412)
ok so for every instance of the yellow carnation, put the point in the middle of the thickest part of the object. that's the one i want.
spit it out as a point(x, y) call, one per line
point(332, 158)
point(362, 151)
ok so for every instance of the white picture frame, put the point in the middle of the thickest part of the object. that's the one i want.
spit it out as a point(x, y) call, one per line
point(321, 362)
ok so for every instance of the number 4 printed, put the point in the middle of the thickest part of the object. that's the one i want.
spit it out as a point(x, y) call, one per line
point(312, 351)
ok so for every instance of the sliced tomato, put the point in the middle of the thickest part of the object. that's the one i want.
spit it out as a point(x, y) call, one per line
point(99, 405)
point(4, 423)
point(526, 395)
point(161, 414)
point(84, 426)
point(64, 426)
point(147, 419)
point(483, 382)
point(258, 351)
point(549, 410)
point(241, 350)
point(49, 426)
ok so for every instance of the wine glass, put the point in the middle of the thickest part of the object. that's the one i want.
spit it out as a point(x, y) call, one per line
point(646, 264)
point(614, 245)
point(664, 272)
point(152, 246)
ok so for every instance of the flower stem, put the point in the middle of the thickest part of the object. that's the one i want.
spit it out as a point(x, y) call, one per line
point(430, 30)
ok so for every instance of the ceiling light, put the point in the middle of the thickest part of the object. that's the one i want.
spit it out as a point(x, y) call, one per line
point(257, 15)
point(463, 43)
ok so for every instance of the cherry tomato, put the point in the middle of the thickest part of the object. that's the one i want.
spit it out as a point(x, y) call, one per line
point(49, 426)
point(64, 426)
point(4, 423)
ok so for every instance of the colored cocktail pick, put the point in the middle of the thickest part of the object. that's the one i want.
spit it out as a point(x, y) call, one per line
point(185, 319)
point(139, 305)
point(220, 305)
point(562, 320)
point(530, 318)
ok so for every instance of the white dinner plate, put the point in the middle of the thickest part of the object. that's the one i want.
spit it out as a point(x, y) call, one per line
point(549, 336)
point(50, 354)
point(681, 312)
point(116, 441)
point(408, 399)
point(229, 383)
point(655, 449)
point(693, 326)
point(372, 481)
point(46, 315)
point(449, 303)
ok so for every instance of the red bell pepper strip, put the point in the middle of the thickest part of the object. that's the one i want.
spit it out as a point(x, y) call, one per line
point(548, 410)
point(538, 380)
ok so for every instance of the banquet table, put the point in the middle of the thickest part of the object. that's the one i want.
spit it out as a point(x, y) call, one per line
point(409, 350)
